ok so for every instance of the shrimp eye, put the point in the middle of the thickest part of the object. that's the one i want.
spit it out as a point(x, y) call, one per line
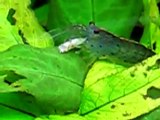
point(96, 31)
point(91, 23)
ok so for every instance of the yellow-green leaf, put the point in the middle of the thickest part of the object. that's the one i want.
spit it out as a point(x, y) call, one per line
point(121, 85)
point(18, 25)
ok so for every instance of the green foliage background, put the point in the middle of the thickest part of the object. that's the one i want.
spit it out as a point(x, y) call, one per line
point(37, 82)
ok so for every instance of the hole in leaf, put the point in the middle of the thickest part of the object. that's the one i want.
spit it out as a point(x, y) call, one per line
point(137, 32)
point(132, 74)
point(16, 86)
point(12, 77)
point(10, 17)
point(154, 45)
point(122, 103)
point(8, 82)
point(126, 114)
point(153, 92)
point(23, 38)
point(148, 68)
point(158, 63)
point(145, 74)
point(113, 106)
point(144, 96)
point(155, 66)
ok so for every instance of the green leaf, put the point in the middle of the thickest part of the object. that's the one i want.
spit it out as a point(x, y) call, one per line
point(63, 117)
point(111, 15)
point(20, 102)
point(43, 10)
point(19, 25)
point(46, 75)
point(10, 114)
point(117, 16)
point(151, 22)
point(8, 33)
point(42, 79)
point(122, 95)
point(119, 92)
point(103, 69)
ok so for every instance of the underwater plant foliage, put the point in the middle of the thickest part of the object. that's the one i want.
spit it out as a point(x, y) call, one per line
point(38, 82)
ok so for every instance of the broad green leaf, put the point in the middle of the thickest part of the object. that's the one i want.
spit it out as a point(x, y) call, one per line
point(151, 22)
point(63, 13)
point(42, 11)
point(116, 16)
point(53, 80)
point(21, 25)
point(20, 102)
point(10, 114)
point(43, 79)
point(63, 117)
point(8, 33)
point(130, 96)
point(112, 87)
point(129, 106)
point(100, 70)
